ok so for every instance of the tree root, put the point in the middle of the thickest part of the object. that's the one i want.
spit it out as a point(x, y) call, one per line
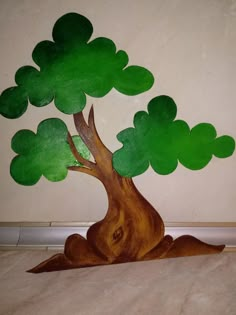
point(79, 253)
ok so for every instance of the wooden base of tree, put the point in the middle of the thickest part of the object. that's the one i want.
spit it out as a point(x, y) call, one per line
point(132, 229)
point(79, 253)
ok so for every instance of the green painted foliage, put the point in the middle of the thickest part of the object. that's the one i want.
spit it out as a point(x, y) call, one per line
point(70, 68)
point(46, 153)
point(159, 140)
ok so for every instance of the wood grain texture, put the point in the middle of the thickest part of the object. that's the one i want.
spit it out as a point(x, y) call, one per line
point(132, 229)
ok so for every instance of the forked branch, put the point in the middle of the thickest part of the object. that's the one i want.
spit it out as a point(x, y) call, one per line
point(89, 135)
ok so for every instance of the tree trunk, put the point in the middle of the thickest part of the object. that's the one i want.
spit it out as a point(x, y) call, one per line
point(131, 227)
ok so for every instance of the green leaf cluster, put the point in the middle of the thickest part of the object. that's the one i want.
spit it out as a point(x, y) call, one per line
point(71, 67)
point(159, 140)
point(46, 153)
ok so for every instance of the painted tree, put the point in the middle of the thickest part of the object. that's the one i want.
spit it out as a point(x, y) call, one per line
point(72, 67)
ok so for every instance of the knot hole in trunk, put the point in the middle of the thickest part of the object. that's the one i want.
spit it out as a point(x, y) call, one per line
point(118, 234)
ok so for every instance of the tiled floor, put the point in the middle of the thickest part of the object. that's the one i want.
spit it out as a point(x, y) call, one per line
point(195, 285)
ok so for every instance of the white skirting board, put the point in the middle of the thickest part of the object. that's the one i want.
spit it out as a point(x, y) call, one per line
point(52, 235)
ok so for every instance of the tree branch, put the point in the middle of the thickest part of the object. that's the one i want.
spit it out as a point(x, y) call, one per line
point(83, 129)
point(97, 139)
point(85, 170)
point(90, 136)
point(77, 155)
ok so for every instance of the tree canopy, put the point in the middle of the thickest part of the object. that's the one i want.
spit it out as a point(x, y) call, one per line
point(159, 140)
point(45, 153)
point(71, 67)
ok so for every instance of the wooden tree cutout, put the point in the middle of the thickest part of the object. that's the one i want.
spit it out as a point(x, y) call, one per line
point(70, 68)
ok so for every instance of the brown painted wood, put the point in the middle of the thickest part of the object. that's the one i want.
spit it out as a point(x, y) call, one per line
point(132, 229)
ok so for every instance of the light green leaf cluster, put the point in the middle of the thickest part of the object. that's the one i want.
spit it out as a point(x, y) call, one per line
point(46, 153)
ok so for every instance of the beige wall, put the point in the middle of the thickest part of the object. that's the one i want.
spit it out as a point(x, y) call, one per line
point(190, 47)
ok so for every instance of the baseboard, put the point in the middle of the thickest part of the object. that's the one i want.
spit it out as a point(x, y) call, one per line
point(52, 235)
